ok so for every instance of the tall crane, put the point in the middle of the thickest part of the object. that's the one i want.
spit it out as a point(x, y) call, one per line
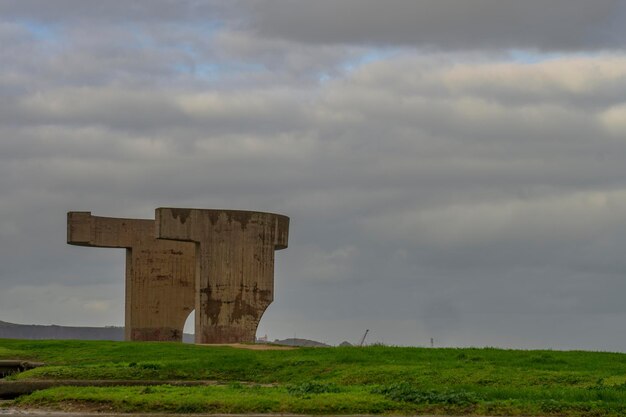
point(363, 338)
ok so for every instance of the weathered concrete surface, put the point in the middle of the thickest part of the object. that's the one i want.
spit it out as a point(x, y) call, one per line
point(160, 274)
point(235, 266)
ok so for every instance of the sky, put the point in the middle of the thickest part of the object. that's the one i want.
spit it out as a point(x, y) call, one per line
point(453, 170)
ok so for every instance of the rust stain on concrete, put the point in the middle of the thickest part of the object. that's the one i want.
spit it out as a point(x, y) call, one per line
point(181, 214)
point(241, 217)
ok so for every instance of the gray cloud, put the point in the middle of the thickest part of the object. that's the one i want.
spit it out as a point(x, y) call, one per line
point(447, 24)
point(470, 197)
point(561, 25)
point(72, 10)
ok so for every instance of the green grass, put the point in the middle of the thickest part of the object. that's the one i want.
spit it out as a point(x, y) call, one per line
point(372, 380)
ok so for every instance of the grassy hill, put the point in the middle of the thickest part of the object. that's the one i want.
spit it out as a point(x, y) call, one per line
point(346, 380)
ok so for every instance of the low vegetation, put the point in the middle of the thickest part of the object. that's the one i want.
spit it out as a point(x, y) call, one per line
point(350, 380)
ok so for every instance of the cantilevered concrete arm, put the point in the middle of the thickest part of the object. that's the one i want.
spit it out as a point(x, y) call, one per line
point(160, 274)
point(192, 225)
point(83, 229)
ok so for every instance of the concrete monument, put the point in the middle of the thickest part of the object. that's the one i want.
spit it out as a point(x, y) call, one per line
point(160, 274)
point(234, 266)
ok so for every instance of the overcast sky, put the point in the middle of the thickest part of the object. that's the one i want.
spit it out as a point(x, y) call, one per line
point(453, 170)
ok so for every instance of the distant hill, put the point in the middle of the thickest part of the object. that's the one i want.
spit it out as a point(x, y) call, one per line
point(38, 332)
point(300, 343)
point(41, 332)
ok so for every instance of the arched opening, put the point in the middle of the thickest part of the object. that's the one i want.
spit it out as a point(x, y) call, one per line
point(190, 328)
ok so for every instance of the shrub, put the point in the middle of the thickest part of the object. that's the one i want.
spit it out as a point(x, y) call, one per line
point(405, 392)
point(307, 388)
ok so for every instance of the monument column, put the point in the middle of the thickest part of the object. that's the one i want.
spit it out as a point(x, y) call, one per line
point(234, 266)
point(160, 274)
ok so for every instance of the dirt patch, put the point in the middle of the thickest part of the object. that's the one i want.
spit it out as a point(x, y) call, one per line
point(258, 346)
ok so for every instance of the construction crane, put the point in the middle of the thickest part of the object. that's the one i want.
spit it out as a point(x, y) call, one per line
point(363, 338)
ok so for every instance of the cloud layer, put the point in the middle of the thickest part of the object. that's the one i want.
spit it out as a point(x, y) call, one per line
point(475, 24)
point(450, 172)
